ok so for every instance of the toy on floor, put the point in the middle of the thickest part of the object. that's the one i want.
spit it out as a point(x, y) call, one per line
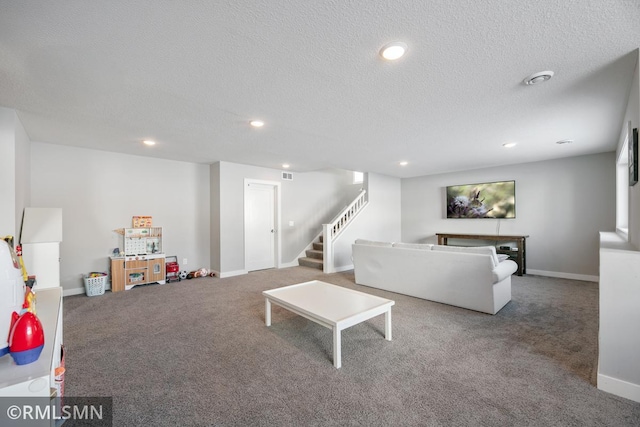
point(173, 269)
point(202, 272)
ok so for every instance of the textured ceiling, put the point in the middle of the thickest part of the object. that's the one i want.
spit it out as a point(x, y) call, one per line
point(190, 75)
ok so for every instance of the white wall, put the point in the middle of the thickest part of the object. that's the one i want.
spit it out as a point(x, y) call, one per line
point(7, 173)
point(23, 172)
point(310, 199)
point(14, 172)
point(633, 114)
point(561, 204)
point(619, 345)
point(101, 191)
point(214, 221)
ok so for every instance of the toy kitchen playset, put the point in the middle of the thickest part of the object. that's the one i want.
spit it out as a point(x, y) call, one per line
point(141, 259)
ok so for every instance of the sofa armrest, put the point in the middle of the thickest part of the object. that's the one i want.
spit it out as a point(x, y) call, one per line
point(504, 269)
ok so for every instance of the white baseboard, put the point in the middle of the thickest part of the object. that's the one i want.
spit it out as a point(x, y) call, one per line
point(343, 268)
point(70, 292)
point(293, 263)
point(619, 387)
point(80, 291)
point(231, 273)
point(561, 275)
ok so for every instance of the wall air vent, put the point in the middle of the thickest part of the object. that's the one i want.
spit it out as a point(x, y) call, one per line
point(287, 176)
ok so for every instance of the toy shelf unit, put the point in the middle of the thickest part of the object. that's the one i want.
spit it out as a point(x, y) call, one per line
point(142, 241)
point(141, 261)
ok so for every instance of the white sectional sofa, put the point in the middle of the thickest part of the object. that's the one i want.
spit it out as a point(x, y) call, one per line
point(473, 278)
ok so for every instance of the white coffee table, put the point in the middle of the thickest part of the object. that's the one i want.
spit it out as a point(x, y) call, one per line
point(331, 306)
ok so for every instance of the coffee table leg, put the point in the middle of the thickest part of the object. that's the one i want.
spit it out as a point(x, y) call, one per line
point(387, 325)
point(337, 350)
point(267, 312)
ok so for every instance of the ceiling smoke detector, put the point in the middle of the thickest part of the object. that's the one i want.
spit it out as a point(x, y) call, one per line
point(537, 78)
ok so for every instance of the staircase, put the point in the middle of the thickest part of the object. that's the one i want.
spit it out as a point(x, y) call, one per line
point(314, 258)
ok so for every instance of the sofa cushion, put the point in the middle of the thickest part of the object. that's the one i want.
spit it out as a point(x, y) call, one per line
point(421, 246)
point(503, 257)
point(373, 243)
point(482, 250)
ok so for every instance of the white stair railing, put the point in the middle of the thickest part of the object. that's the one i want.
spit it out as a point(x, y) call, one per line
point(331, 231)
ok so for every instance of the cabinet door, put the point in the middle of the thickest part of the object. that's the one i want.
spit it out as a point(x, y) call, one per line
point(156, 270)
point(135, 272)
point(117, 275)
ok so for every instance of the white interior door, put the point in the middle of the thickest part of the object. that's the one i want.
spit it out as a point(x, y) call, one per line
point(260, 226)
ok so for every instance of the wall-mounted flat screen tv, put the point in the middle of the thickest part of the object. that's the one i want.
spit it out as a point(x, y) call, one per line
point(485, 200)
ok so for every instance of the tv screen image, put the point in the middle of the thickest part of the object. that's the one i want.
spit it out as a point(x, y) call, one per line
point(484, 200)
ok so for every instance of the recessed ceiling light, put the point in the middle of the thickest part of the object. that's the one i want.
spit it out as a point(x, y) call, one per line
point(536, 78)
point(256, 123)
point(404, 163)
point(393, 51)
point(509, 144)
point(564, 141)
point(148, 142)
point(286, 165)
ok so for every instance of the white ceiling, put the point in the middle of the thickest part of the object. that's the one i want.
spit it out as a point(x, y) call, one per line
point(190, 75)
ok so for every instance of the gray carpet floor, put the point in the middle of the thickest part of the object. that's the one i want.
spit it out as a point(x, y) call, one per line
point(197, 353)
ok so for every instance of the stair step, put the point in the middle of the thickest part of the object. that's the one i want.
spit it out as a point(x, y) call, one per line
point(310, 262)
point(321, 238)
point(318, 246)
point(312, 253)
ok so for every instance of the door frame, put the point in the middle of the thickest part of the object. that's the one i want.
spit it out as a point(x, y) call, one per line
point(277, 204)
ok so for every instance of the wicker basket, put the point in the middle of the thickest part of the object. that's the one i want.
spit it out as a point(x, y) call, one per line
point(95, 285)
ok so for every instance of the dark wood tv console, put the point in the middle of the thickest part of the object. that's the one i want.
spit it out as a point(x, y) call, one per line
point(516, 253)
